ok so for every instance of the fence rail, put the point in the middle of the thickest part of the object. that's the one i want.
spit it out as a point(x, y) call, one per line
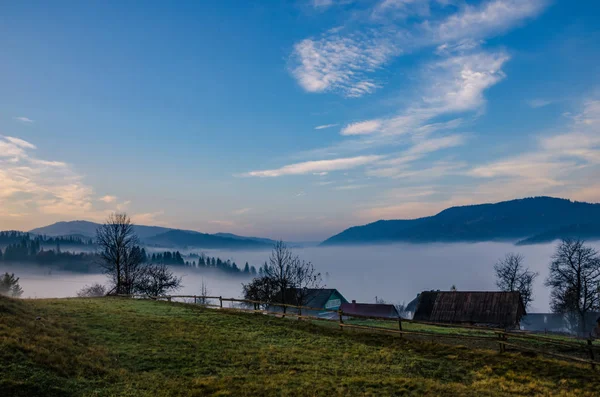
point(494, 335)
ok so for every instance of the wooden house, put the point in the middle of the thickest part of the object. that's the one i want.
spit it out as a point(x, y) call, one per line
point(499, 309)
point(383, 310)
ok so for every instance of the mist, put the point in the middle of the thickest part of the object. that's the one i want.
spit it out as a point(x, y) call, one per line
point(395, 273)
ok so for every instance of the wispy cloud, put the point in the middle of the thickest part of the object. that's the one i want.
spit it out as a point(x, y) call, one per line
point(108, 199)
point(41, 190)
point(322, 127)
point(341, 63)
point(26, 120)
point(487, 19)
point(241, 211)
point(559, 163)
point(322, 3)
point(222, 223)
point(362, 127)
point(345, 62)
point(350, 187)
point(538, 103)
point(310, 167)
point(47, 187)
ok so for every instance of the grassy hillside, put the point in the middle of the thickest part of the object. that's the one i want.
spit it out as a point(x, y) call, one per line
point(112, 346)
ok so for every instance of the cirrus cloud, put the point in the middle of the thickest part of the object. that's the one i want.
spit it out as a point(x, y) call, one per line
point(317, 166)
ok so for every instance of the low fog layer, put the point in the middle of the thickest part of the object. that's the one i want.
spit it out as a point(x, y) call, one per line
point(395, 273)
point(38, 283)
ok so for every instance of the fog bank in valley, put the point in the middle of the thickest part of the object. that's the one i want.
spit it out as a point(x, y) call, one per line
point(395, 272)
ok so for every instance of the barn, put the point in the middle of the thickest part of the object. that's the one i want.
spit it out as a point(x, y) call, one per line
point(369, 310)
point(499, 309)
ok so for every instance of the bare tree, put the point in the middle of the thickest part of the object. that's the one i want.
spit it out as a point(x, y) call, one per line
point(204, 292)
point(120, 253)
point(93, 290)
point(156, 280)
point(9, 286)
point(575, 280)
point(512, 275)
point(304, 278)
point(285, 279)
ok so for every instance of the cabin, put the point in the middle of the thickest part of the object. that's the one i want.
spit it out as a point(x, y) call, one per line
point(323, 300)
point(369, 310)
point(497, 309)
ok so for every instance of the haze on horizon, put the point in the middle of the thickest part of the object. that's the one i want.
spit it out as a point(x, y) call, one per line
point(294, 121)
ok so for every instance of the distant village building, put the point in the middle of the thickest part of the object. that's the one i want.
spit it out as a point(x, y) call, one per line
point(499, 309)
point(560, 323)
point(369, 310)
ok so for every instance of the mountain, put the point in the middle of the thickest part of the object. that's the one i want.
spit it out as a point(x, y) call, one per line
point(235, 236)
point(174, 238)
point(587, 231)
point(88, 229)
point(160, 236)
point(522, 219)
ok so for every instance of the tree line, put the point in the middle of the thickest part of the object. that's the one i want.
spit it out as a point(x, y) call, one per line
point(227, 265)
point(13, 236)
point(28, 249)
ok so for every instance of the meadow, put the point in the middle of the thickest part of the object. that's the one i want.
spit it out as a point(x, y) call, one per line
point(113, 346)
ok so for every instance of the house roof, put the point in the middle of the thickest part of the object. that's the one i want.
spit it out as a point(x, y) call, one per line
point(369, 309)
point(318, 297)
point(497, 308)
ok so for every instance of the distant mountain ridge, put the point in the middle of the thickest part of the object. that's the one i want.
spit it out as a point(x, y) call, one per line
point(159, 236)
point(529, 221)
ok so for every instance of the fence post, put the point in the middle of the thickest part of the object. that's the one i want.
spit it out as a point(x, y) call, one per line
point(195, 300)
point(341, 320)
point(221, 301)
point(400, 326)
point(169, 299)
point(299, 313)
point(500, 344)
point(589, 342)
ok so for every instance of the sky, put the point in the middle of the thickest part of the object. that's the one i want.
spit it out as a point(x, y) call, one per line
point(293, 119)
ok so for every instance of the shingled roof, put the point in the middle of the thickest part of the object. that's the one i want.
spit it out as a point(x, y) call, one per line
point(490, 308)
point(315, 297)
point(369, 310)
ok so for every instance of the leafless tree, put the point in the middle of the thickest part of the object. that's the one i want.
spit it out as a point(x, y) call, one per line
point(304, 278)
point(120, 253)
point(512, 275)
point(156, 280)
point(285, 279)
point(204, 292)
point(575, 280)
point(93, 290)
point(281, 269)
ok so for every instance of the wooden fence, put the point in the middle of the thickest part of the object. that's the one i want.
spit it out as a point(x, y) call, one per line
point(500, 336)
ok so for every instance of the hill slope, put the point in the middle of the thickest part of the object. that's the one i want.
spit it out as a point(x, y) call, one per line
point(173, 238)
point(109, 346)
point(88, 229)
point(508, 220)
point(157, 235)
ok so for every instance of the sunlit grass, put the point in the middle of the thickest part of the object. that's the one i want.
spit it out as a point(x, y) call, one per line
point(132, 347)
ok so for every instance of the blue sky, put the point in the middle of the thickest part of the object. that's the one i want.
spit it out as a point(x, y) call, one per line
point(293, 119)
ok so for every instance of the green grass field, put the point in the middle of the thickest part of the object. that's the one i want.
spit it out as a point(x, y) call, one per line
point(111, 346)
